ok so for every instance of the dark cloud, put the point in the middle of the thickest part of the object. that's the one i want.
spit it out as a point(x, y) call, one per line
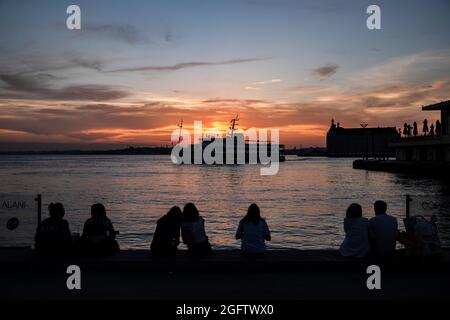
point(325, 72)
point(35, 87)
point(90, 92)
point(184, 65)
point(146, 122)
point(23, 83)
point(87, 63)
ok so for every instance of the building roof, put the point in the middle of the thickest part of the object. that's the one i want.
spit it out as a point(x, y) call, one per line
point(437, 106)
point(361, 131)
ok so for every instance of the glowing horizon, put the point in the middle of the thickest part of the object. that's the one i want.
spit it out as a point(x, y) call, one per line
point(135, 70)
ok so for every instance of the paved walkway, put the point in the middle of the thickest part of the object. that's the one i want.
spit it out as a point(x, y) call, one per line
point(276, 275)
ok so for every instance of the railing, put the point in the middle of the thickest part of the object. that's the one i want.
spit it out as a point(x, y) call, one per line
point(417, 138)
point(20, 215)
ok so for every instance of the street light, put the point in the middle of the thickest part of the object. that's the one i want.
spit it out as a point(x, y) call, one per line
point(364, 126)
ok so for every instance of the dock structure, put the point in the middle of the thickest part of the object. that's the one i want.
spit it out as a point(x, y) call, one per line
point(422, 154)
point(430, 148)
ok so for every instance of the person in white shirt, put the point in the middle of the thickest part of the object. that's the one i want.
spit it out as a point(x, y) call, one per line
point(193, 231)
point(383, 230)
point(356, 242)
point(253, 231)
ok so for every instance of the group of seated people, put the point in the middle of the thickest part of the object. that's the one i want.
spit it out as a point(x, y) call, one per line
point(53, 235)
point(362, 236)
point(252, 231)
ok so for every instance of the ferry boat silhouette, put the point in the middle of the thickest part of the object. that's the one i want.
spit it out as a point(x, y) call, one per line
point(231, 149)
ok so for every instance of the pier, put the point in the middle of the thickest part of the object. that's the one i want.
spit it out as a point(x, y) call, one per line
point(427, 155)
point(422, 168)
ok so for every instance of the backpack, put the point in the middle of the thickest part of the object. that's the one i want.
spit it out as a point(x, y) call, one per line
point(425, 233)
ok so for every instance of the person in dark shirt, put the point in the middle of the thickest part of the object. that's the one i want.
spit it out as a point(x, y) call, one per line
point(167, 234)
point(193, 232)
point(53, 234)
point(98, 232)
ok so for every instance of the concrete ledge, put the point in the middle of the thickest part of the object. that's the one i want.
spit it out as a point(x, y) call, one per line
point(224, 275)
point(218, 260)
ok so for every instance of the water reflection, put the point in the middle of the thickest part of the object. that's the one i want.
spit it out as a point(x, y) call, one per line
point(304, 203)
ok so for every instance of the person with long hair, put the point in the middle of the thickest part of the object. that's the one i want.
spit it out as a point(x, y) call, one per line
point(98, 232)
point(167, 233)
point(253, 231)
point(356, 228)
point(193, 231)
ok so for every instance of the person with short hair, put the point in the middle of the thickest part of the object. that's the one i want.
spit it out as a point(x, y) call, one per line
point(383, 230)
point(53, 234)
point(356, 242)
point(253, 231)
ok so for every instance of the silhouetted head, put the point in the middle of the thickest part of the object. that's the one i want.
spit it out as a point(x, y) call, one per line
point(354, 211)
point(190, 212)
point(175, 215)
point(98, 211)
point(380, 207)
point(253, 214)
point(56, 210)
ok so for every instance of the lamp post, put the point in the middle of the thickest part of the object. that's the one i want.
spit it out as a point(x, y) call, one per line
point(364, 126)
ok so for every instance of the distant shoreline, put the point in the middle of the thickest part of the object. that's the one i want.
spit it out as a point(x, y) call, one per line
point(310, 152)
point(126, 151)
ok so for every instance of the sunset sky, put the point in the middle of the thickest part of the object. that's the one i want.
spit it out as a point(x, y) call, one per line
point(137, 67)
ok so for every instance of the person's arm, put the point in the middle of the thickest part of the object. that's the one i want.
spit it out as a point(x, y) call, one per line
point(346, 225)
point(186, 234)
point(67, 232)
point(239, 231)
point(372, 242)
point(110, 228)
point(177, 237)
point(266, 234)
point(85, 230)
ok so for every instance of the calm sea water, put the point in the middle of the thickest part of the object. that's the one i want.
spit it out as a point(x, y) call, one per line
point(304, 204)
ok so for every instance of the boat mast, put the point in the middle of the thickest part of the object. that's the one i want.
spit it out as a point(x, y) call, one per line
point(233, 124)
point(180, 125)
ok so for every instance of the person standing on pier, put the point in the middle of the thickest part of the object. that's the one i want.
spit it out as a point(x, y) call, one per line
point(383, 230)
point(415, 131)
point(438, 128)
point(405, 129)
point(425, 127)
point(432, 130)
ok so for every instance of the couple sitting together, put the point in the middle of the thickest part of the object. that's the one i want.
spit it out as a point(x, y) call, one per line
point(377, 236)
point(53, 235)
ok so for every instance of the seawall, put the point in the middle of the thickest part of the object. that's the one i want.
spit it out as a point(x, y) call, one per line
point(275, 275)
